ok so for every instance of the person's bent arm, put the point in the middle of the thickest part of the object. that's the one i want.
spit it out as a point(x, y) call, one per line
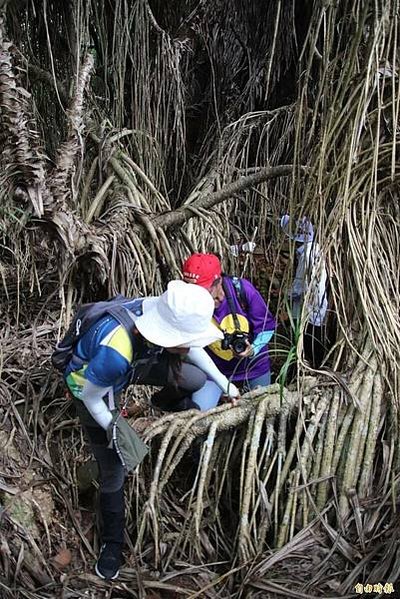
point(199, 357)
point(92, 397)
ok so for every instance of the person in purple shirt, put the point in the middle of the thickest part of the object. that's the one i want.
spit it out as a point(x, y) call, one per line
point(243, 316)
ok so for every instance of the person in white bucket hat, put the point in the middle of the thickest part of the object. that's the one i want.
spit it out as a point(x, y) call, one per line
point(145, 346)
point(177, 318)
point(308, 288)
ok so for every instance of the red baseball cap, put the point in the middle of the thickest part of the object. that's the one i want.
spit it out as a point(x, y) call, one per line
point(202, 269)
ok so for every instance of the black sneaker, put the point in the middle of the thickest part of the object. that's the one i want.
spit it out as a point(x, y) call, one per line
point(108, 564)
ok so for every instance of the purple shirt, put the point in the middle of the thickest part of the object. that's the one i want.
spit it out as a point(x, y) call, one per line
point(254, 318)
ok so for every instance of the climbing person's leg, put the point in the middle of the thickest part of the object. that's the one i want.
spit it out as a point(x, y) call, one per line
point(207, 396)
point(185, 386)
point(111, 504)
point(111, 500)
point(264, 380)
point(179, 385)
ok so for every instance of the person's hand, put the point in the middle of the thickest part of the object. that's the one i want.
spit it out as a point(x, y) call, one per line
point(232, 394)
point(248, 352)
point(229, 399)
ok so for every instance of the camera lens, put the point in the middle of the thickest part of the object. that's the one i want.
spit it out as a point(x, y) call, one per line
point(239, 346)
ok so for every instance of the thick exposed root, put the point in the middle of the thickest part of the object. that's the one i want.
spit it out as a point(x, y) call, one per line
point(324, 442)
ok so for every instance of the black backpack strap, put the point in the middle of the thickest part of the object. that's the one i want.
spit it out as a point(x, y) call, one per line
point(231, 304)
point(142, 366)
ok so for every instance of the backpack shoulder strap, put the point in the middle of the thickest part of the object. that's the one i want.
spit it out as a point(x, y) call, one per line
point(231, 303)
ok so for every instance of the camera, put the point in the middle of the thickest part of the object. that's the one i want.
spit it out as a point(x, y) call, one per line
point(236, 341)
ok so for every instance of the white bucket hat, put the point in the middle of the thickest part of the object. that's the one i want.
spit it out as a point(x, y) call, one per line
point(303, 232)
point(180, 317)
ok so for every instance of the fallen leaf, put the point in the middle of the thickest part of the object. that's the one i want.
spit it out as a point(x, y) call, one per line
point(63, 558)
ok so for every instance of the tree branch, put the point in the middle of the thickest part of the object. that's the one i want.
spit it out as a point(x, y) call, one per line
point(184, 213)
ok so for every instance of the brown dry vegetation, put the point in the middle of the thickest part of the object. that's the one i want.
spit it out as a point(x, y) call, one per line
point(132, 133)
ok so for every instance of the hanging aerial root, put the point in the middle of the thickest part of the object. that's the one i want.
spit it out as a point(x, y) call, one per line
point(190, 526)
point(355, 450)
point(177, 433)
point(315, 459)
point(301, 470)
point(206, 458)
point(244, 542)
point(328, 449)
point(181, 444)
point(370, 443)
point(192, 424)
point(150, 511)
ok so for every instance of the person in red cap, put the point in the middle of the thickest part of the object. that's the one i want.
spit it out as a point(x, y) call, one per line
point(248, 325)
point(202, 269)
